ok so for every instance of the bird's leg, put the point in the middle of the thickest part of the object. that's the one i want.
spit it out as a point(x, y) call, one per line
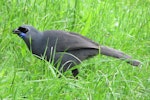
point(75, 72)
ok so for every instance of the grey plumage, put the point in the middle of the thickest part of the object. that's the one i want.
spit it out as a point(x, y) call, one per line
point(66, 48)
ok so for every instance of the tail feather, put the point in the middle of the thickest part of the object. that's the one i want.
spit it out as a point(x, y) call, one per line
point(118, 54)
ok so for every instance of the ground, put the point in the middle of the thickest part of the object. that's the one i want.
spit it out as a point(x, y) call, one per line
point(121, 24)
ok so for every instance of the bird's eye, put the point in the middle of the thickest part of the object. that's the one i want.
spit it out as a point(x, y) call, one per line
point(23, 29)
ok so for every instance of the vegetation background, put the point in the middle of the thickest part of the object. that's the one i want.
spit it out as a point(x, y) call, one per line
point(121, 24)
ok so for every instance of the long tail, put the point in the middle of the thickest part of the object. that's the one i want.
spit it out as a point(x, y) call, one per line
point(118, 54)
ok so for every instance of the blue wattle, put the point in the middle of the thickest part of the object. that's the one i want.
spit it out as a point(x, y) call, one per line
point(22, 35)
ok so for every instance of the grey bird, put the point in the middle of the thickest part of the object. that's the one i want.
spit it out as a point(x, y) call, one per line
point(66, 49)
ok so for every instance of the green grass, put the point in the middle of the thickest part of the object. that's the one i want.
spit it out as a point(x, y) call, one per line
point(121, 24)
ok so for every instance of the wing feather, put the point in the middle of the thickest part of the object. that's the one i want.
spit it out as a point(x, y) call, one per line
point(68, 41)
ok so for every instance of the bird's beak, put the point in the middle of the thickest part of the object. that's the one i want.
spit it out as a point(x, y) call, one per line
point(16, 31)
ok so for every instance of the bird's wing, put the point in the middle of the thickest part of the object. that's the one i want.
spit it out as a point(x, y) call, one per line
point(68, 41)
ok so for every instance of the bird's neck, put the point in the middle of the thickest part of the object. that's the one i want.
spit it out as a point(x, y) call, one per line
point(33, 43)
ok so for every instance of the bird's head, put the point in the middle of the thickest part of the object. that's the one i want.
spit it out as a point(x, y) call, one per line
point(29, 34)
point(26, 31)
point(22, 31)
